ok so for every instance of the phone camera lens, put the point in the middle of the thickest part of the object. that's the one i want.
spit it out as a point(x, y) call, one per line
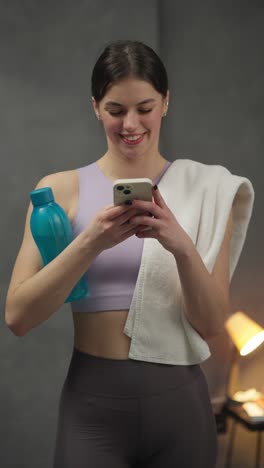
point(120, 187)
point(127, 192)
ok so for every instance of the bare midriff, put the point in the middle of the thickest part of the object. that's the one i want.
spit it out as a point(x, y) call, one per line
point(101, 333)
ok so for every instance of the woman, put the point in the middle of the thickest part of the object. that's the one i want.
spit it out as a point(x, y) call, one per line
point(119, 408)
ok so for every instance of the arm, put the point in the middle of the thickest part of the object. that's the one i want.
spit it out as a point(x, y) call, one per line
point(206, 295)
point(35, 293)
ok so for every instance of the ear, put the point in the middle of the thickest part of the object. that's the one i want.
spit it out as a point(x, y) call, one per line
point(168, 96)
point(95, 107)
point(166, 103)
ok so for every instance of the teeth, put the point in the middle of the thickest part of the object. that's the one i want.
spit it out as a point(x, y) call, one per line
point(132, 138)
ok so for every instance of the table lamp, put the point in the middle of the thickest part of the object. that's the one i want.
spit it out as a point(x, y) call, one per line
point(247, 335)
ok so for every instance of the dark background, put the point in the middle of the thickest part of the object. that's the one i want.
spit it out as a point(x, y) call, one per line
point(214, 55)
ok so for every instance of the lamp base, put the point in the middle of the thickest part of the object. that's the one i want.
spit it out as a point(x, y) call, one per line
point(233, 378)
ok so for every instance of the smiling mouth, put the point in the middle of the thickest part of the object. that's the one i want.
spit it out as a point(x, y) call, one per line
point(132, 139)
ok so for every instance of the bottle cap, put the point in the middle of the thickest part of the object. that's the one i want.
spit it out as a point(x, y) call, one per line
point(42, 196)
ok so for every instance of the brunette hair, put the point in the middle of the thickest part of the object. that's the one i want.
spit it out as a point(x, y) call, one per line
point(124, 59)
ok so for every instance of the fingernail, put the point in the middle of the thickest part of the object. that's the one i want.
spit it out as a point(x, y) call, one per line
point(128, 202)
point(155, 187)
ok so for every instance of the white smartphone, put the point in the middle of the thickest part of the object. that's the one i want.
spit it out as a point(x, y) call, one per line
point(131, 189)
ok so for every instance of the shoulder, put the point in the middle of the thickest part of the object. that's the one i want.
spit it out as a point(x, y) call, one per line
point(65, 187)
point(198, 169)
point(196, 175)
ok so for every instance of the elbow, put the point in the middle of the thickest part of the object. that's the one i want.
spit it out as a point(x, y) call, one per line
point(17, 331)
point(216, 327)
point(15, 328)
point(209, 332)
point(13, 324)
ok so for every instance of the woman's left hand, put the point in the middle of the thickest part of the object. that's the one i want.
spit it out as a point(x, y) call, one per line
point(165, 227)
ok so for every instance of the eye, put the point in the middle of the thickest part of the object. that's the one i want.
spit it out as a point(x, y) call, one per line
point(144, 111)
point(115, 113)
point(141, 111)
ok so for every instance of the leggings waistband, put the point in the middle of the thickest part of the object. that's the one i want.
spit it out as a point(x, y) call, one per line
point(125, 378)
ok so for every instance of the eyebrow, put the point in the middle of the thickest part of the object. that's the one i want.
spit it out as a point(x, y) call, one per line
point(117, 104)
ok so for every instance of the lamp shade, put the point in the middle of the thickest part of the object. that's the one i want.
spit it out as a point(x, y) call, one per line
point(245, 333)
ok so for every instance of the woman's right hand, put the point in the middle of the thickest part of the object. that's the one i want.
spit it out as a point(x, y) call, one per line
point(111, 226)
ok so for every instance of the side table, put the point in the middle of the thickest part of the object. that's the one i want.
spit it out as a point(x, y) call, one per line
point(235, 412)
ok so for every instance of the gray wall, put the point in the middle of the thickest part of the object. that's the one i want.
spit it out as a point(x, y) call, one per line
point(47, 49)
point(214, 55)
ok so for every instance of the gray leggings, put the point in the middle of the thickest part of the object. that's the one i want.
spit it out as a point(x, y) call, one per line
point(134, 414)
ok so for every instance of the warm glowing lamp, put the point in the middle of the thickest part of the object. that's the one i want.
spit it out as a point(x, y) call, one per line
point(247, 335)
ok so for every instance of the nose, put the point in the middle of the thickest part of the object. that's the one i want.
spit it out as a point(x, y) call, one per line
point(130, 121)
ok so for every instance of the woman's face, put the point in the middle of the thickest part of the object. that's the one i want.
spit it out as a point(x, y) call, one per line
point(131, 112)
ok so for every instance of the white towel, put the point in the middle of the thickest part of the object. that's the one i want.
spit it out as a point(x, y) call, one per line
point(201, 197)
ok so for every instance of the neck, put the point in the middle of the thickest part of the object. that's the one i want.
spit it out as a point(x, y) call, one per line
point(116, 167)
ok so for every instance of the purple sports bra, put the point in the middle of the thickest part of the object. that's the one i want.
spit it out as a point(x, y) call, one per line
point(113, 274)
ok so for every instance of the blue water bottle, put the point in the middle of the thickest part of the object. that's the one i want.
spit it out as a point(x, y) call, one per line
point(52, 232)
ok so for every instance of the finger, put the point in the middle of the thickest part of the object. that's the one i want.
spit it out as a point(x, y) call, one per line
point(150, 207)
point(145, 221)
point(114, 212)
point(129, 230)
point(158, 197)
point(146, 234)
point(125, 218)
